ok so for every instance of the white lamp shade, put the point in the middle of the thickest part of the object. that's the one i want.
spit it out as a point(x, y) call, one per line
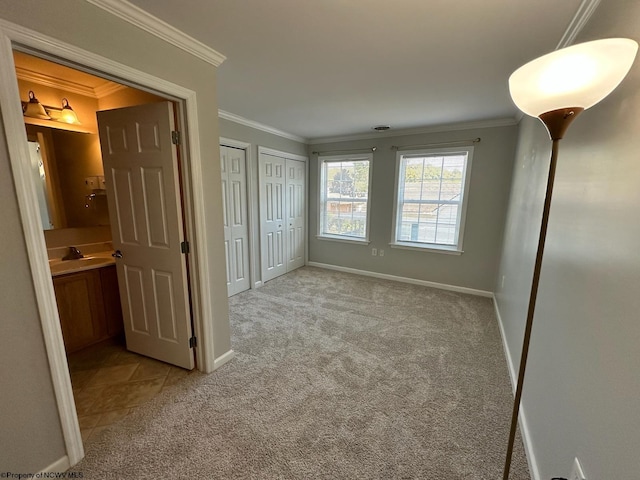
point(576, 76)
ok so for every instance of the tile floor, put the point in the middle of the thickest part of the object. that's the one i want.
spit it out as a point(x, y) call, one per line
point(108, 382)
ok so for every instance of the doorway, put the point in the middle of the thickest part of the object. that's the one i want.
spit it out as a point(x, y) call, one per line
point(200, 260)
point(69, 178)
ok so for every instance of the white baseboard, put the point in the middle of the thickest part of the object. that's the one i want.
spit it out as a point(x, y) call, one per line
point(61, 465)
point(257, 284)
point(222, 359)
point(414, 281)
point(522, 418)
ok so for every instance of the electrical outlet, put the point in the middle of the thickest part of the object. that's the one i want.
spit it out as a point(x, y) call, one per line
point(374, 251)
point(91, 182)
point(381, 253)
point(576, 472)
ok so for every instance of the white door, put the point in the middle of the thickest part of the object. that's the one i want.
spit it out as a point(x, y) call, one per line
point(296, 203)
point(143, 192)
point(272, 216)
point(236, 224)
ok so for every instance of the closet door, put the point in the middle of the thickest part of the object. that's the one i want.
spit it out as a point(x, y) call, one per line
point(272, 215)
point(236, 223)
point(296, 208)
point(282, 182)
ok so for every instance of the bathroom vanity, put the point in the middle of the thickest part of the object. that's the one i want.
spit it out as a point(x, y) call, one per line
point(88, 301)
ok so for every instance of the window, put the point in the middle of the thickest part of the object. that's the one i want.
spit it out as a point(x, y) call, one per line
point(344, 197)
point(432, 187)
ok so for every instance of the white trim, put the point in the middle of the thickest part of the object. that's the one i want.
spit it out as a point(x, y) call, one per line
point(499, 122)
point(107, 88)
point(100, 91)
point(464, 200)
point(53, 82)
point(34, 237)
point(36, 248)
point(522, 419)
point(432, 248)
point(281, 154)
point(149, 23)
point(229, 142)
point(325, 159)
point(232, 117)
point(253, 227)
point(357, 241)
point(579, 20)
point(258, 284)
point(285, 156)
point(224, 358)
point(61, 465)
point(414, 281)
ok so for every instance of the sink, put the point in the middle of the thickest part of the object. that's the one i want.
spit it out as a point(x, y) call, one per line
point(59, 267)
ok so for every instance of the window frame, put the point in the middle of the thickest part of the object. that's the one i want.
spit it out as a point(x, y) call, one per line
point(322, 161)
point(455, 249)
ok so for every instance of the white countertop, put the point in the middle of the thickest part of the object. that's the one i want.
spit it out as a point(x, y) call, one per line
point(88, 262)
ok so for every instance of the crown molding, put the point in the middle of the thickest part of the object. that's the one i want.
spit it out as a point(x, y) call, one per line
point(579, 20)
point(232, 117)
point(71, 87)
point(500, 122)
point(159, 28)
point(49, 81)
point(108, 89)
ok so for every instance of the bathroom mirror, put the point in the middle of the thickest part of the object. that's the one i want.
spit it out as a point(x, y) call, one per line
point(61, 163)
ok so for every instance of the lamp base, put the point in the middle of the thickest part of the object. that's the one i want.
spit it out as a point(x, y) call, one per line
point(557, 121)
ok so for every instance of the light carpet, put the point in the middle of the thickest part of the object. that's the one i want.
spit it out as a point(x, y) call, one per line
point(335, 376)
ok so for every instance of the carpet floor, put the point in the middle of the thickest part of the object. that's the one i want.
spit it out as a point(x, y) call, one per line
point(336, 376)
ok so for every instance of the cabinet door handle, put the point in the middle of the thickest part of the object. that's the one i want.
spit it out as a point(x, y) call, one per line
point(117, 254)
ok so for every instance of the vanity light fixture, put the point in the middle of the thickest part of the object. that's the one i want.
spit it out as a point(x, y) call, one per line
point(33, 108)
point(67, 114)
point(556, 88)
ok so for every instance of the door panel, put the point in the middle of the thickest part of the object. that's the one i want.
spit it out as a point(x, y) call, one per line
point(296, 181)
point(272, 183)
point(143, 193)
point(236, 224)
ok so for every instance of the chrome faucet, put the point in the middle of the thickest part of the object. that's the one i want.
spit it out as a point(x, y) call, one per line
point(73, 254)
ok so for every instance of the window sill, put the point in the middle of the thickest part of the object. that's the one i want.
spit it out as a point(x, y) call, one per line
point(361, 241)
point(430, 248)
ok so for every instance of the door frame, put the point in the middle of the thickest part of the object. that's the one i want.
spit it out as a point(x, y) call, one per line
point(14, 36)
point(251, 197)
point(291, 156)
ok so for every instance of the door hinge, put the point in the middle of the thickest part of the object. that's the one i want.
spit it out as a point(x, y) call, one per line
point(175, 137)
point(184, 247)
point(193, 342)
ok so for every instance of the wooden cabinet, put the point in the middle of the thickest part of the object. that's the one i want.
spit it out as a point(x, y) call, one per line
point(111, 300)
point(88, 306)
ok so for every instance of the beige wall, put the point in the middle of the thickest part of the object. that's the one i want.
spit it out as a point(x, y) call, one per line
point(30, 423)
point(582, 384)
point(488, 193)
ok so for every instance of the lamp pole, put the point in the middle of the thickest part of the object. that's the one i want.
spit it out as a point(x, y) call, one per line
point(557, 123)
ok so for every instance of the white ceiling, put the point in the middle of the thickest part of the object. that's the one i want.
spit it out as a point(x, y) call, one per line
point(326, 68)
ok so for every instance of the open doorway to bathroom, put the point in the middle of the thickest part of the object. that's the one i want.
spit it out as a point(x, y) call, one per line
point(67, 170)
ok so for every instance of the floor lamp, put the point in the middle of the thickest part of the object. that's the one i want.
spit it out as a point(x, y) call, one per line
point(556, 88)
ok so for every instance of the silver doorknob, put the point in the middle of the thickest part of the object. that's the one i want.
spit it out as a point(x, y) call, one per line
point(117, 254)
